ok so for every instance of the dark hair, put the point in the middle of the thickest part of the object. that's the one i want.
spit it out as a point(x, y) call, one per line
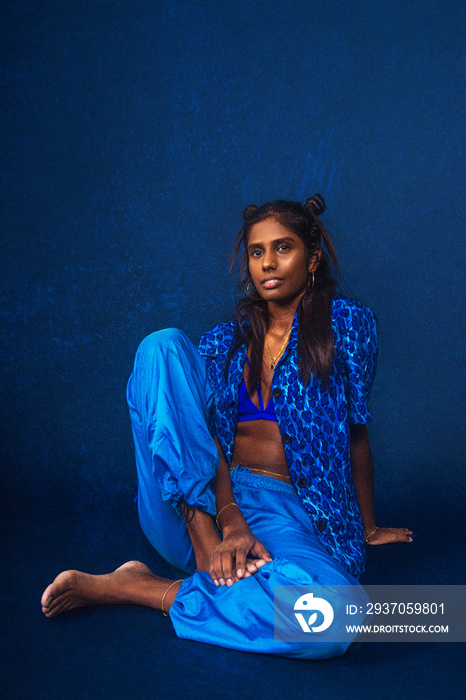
point(315, 335)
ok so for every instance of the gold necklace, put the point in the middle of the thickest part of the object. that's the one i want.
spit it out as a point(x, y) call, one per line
point(273, 360)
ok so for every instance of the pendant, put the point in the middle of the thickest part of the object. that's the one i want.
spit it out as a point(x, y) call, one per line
point(272, 366)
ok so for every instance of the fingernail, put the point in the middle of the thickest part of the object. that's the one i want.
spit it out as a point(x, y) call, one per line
point(239, 573)
point(229, 582)
point(216, 582)
point(221, 581)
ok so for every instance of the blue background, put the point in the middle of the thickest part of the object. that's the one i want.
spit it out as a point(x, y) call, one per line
point(133, 135)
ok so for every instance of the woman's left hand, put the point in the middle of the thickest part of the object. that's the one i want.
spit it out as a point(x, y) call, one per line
point(388, 535)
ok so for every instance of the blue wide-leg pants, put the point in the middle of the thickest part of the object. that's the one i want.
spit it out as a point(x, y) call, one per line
point(169, 396)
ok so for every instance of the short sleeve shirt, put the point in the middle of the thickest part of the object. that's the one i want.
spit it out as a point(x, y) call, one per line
point(313, 420)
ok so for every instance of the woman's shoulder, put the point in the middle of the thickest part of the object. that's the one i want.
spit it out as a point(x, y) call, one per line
point(217, 339)
point(350, 315)
point(346, 310)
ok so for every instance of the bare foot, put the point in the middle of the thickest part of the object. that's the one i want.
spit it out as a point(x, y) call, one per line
point(253, 566)
point(130, 584)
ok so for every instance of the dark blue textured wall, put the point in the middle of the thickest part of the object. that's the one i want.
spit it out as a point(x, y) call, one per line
point(134, 133)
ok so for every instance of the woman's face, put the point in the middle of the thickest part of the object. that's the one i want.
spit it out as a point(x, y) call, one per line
point(277, 261)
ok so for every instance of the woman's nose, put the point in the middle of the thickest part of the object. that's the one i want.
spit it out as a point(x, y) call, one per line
point(269, 261)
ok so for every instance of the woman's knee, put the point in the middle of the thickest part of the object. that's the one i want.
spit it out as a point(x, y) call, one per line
point(167, 344)
point(161, 339)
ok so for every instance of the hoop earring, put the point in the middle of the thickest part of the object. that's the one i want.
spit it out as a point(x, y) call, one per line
point(249, 293)
point(311, 289)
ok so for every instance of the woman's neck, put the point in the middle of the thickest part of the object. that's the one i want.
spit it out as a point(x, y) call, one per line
point(281, 316)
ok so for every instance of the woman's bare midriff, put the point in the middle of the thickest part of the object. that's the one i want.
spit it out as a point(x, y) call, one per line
point(258, 446)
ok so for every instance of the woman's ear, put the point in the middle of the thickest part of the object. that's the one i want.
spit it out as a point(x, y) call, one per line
point(314, 261)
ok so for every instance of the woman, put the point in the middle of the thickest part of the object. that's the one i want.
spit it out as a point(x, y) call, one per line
point(253, 456)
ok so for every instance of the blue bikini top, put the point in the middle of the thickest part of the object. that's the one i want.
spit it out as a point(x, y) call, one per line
point(247, 410)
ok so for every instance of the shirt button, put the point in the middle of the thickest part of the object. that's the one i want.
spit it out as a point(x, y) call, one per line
point(286, 438)
point(301, 483)
point(276, 393)
point(321, 525)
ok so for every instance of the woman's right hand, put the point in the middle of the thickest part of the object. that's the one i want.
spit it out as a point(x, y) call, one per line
point(238, 556)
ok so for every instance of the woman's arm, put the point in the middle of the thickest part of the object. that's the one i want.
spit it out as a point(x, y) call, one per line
point(228, 562)
point(363, 475)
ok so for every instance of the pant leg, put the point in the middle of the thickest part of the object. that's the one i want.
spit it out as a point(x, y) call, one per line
point(243, 616)
point(169, 396)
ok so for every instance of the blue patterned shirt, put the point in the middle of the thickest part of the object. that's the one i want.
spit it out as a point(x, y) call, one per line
point(313, 421)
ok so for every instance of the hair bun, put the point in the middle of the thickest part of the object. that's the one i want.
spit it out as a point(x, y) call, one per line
point(250, 211)
point(316, 204)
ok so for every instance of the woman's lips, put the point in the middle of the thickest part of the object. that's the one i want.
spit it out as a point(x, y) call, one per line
point(272, 282)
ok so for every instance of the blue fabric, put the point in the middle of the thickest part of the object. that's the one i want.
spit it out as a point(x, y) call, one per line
point(242, 616)
point(169, 397)
point(247, 410)
point(314, 421)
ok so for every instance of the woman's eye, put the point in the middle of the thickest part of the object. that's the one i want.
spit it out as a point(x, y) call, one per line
point(256, 253)
point(284, 246)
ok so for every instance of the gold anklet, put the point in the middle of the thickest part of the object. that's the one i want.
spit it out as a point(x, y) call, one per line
point(163, 597)
point(221, 509)
point(370, 533)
